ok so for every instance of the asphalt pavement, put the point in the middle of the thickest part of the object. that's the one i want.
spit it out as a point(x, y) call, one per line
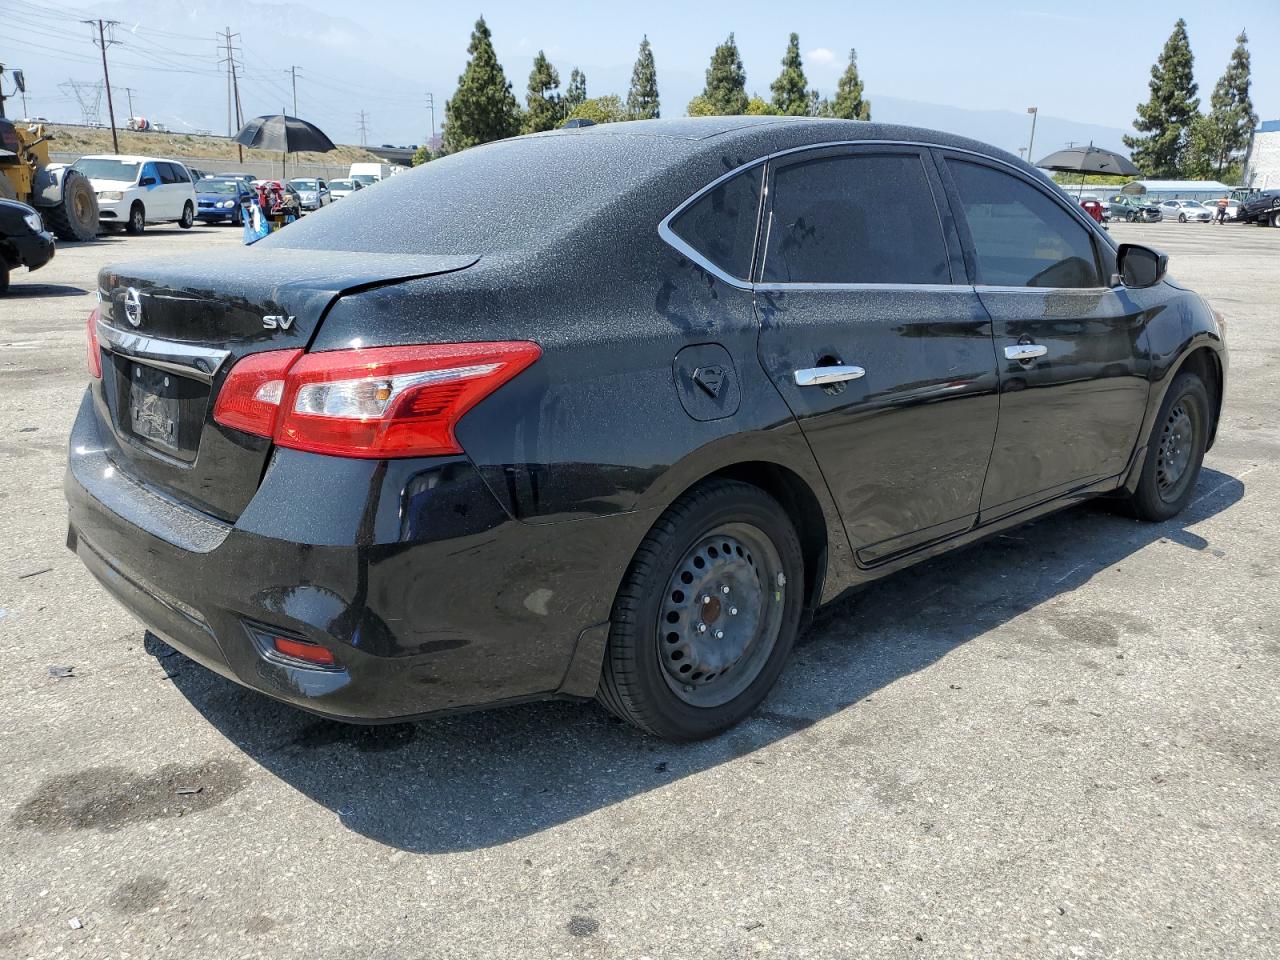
point(1060, 743)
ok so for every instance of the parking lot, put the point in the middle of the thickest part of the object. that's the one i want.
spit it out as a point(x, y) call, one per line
point(1061, 743)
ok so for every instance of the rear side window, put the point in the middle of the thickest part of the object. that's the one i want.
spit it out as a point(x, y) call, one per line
point(855, 219)
point(1021, 237)
point(721, 224)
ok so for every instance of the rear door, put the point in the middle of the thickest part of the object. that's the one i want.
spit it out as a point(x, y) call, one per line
point(169, 194)
point(877, 342)
point(1071, 350)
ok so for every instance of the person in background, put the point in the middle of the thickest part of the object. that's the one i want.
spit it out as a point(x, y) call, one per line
point(1222, 210)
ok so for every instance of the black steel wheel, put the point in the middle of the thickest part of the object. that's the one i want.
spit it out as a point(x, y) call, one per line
point(707, 614)
point(1175, 450)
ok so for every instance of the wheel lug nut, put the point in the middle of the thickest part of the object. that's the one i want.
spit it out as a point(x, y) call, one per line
point(706, 598)
point(733, 611)
point(719, 634)
point(701, 627)
point(724, 590)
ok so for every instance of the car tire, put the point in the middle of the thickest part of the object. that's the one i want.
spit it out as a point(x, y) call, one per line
point(4, 278)
point(137, 221)
point(1275, 219)
point(706, 615)
point(237, 219)
point(188, 217)
point(1182, 218)
point(1175, 451)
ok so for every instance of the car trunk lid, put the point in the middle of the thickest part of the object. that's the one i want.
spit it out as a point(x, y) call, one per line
point(170, 330)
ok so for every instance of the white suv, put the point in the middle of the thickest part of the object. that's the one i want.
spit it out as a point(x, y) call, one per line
point(136, 191)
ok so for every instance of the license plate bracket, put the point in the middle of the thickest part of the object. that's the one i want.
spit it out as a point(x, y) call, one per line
point(154, 414)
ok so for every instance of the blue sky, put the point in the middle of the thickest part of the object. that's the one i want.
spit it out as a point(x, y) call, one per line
point(1086, 60)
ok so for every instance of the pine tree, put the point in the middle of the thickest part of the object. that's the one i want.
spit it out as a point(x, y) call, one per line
point(543, 98)
point(1166, 118)
point(726, 88)
point(642, 98)
point(849, 104)
point(483, 107)
point(1231, 118)
point(576, 92)
point(791, 95)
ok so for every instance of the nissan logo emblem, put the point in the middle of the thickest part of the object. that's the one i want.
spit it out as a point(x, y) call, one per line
point(133, 306)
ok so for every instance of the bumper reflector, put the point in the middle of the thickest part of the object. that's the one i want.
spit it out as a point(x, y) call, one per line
point(302, 650)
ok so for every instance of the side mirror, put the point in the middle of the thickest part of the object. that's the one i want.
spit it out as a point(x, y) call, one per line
point(1141, 266)
point(147, 182)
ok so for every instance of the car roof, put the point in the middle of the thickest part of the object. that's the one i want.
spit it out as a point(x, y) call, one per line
point(129, 158)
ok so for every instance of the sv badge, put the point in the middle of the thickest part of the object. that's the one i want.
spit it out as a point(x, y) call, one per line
point(277, 322)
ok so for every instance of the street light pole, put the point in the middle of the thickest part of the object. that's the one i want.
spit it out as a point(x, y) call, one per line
point(1034, 111)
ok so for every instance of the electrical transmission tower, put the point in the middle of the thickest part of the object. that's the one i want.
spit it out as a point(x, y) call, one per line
point(364, 128)
point(88, 94)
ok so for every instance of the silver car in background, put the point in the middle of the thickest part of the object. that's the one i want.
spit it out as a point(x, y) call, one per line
point(1186, 210)
point(314, 193)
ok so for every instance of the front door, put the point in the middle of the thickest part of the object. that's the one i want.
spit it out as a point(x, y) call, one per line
point(878, 344)
point(1073, 370)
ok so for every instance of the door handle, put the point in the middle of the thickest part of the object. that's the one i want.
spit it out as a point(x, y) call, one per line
point(836, 373)
point(1025, 351)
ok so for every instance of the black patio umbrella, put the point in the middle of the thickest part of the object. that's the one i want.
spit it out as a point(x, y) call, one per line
point(1090, 159)
point(286, 134)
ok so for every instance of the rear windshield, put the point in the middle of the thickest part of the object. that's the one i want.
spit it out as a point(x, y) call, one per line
point(514, 195)
point(104, 169)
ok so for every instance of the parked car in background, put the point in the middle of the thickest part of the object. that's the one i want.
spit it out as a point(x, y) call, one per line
point(24, 241)
point(1262, 208)
point(221, 199)
point(1133, 209)
point(341, 188)
point(313, 192)
point(246, 177)
point(1186, 211)
point(197, 173)
point(413, 468)
point(134, 191)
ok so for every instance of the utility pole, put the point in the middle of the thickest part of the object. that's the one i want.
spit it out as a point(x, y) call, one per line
point(293, 74)
point(102, 43)
point(431, 105)
point(234, 119)
point(1035, 112)
point(364, 128)
point(128, 91)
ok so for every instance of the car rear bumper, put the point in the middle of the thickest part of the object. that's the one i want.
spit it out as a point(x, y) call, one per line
point(429, 595)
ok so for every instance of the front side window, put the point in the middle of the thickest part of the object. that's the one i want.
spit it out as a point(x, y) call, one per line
point(862, 218)
point(721, 224)
point(1021, 237)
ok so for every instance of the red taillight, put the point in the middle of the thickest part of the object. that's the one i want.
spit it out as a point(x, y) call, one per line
point(301, 650)
point(250, 398)
point(375, 402)
point(93, 353)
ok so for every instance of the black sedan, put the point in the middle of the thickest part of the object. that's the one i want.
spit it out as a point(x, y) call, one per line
point(608, 412)
point(24, 241)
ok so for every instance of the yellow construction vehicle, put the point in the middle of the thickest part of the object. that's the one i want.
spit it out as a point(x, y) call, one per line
point(64, 197)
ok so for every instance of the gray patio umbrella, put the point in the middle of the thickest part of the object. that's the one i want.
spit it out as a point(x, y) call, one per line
point(1090, 159)
point(286, 134)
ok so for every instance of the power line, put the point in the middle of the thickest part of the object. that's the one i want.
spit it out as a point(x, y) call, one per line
point(102, 43)
point(292, 70)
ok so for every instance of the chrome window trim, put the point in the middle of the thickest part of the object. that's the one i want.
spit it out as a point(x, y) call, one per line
point(187, 359)
point(670, 238)
point(783, 287)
